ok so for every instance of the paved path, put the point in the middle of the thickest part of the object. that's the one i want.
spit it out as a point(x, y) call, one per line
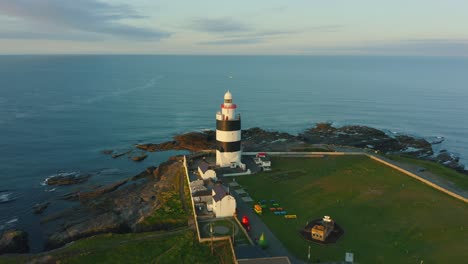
point(275, 247)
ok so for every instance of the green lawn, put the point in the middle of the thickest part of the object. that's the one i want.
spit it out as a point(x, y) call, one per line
point(163, 247)
point(459, 179)
point(387, 217)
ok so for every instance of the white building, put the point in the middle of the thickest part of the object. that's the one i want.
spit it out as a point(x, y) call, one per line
point(228, 135)
point(205, 172)
point(224, 205)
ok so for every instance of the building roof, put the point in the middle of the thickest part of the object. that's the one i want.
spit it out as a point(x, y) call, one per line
point(227, 95)
point(204, 166)
point(219, 191)
point(202, 193)
point(318, 227)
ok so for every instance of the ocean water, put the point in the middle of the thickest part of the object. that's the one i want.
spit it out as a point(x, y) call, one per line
point(57, 113)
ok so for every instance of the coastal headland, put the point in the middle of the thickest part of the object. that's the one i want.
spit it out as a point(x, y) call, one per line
point(157, 198)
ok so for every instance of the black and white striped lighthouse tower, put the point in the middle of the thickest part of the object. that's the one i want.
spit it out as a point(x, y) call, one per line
point(228, 134)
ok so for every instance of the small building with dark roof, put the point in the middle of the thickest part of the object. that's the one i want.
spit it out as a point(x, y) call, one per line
point(205, 171)
point(224, 205)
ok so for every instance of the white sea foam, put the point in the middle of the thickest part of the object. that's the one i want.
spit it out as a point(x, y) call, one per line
point(59, 174)
point(9, 224)
point(411, 149)
point(5, 197)
point(150, 83)
point(14, 220)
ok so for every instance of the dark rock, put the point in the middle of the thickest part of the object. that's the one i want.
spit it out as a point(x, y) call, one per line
point(14, 241)
point(193, 141)
point(140, 157)
point(117, 208)
point(67, 178)
point(363, 136)
point(444, 157)
point(107, 151)
point(103, 223)
point(39, 208)
point(70, 196)
point(449, 160)
point(150, 170)
point(100, 191)
point(117, 155)
point(415, 146)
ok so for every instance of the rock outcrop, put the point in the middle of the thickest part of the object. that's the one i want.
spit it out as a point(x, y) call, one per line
point(40, 207)
point(366, 137)
point(318, 138)
point(193, 141)
point(67, 178)
point(120, 207)
point(14, 241)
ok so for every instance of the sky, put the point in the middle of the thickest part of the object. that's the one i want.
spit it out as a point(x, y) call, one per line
point(263, 27)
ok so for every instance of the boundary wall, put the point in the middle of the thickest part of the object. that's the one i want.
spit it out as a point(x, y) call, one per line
point(203, 240)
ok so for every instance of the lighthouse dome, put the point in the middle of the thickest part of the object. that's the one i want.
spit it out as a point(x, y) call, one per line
point(228, 96)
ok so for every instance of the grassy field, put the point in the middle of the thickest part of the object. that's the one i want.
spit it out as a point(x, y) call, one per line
point(459, 179)
point(387, 216)
point(174, 211)
point(163, 247)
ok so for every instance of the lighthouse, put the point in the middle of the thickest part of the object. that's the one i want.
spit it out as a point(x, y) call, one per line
point(228, 135)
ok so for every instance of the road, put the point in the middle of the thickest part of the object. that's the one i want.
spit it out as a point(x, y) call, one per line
point(275, 247)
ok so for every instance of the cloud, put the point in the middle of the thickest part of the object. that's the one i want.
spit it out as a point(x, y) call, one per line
point(235, 41)
point(262, 33)
point(228, 31)
point(423, 47)
point(66, 17)
point(404, 47)
point(231, 32)
point(218, 25)
point(326, 28)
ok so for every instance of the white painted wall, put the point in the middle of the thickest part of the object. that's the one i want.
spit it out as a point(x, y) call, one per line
point(228, 136)
point(225, 207)
point(224, 159)
point(207, 175)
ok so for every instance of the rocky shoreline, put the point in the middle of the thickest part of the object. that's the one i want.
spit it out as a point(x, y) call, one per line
point(321, 137)
point(128, 205)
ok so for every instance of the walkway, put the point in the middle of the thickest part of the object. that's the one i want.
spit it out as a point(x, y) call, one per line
point(275, 247)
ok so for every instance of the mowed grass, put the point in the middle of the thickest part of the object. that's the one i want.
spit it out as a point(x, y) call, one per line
point(153, 247)
point(387, 217)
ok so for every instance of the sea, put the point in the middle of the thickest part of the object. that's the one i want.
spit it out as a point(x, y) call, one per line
point(58, 113)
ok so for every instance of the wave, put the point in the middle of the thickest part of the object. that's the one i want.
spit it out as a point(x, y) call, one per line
point(60, 174)
point(150, 83)
point(9, 224)
point(6, 197)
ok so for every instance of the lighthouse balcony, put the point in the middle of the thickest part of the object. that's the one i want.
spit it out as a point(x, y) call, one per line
point(220, 116)
point(229, 106)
